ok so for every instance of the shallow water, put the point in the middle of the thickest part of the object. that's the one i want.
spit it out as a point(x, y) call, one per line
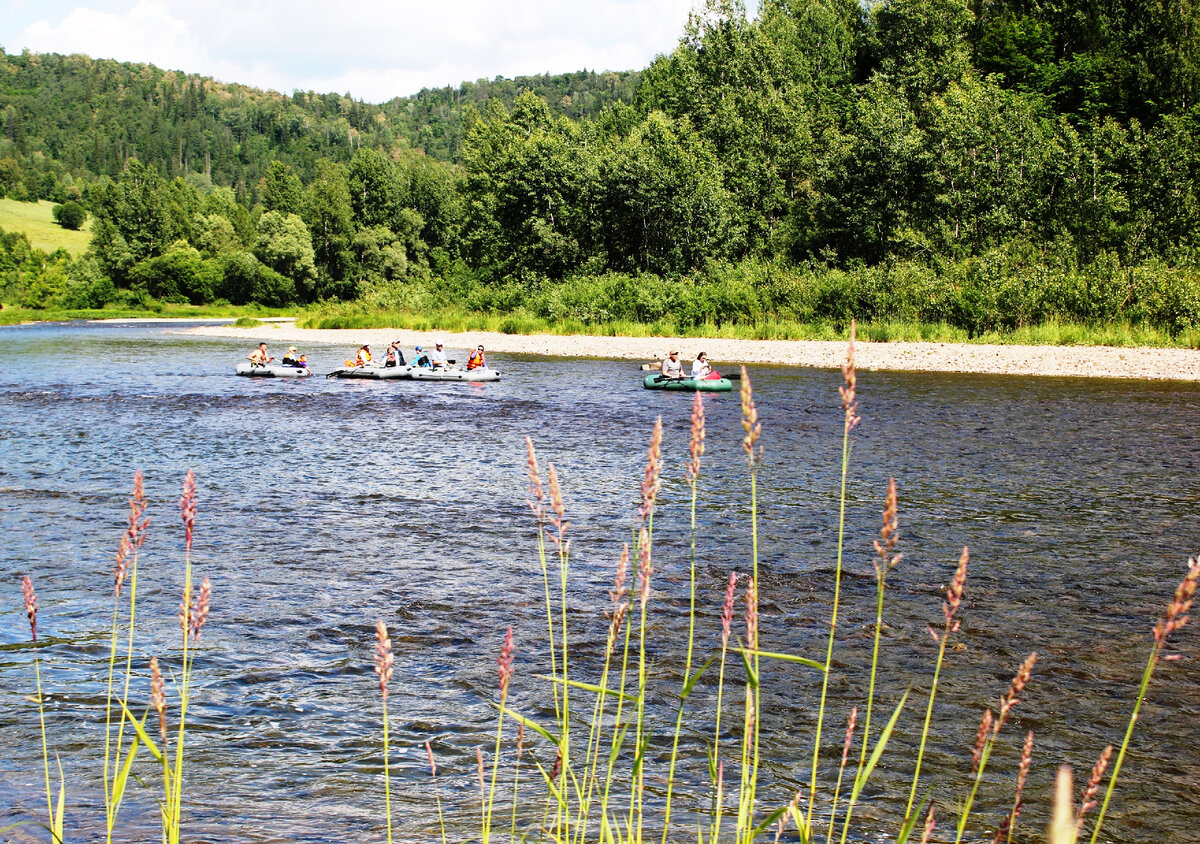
point(325, 504)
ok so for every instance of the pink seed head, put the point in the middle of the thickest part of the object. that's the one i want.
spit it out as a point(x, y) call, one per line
point(506, 663)
point(187, 507)
point(750, 424)
point(850, 724)
point(1012, 697)
point(645, 567)
point(121, 569)
point(927, 832)
point(1088, 801)
point(752, 614)
point(1177, 611)
point(383, 657)
point(696, 441)
point(200, 609)
point(158, 697)
point(727, 609)
point(652, 482)
point(889, 534)
point(849, 389)
point(432, 764)
point(955, 592)
point(537, 492)
point(136, 531)
point(985, 727)
point(31, 605)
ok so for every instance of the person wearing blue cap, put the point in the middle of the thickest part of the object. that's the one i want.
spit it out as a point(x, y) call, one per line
point(420, 358)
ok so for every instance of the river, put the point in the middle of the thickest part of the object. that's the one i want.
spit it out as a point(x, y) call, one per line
point(324, 505)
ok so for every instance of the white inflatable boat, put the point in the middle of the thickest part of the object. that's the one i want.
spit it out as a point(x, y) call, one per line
point(374, 372)
point(271, 370)
point(482, 373)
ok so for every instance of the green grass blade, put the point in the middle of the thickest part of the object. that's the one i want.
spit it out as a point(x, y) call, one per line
point(911, 823)
point(61, 805)
point(588, 687)
point(688, 686)
point(118, 788)
point(140, 729)
point(533, 725)
point(768, 820)
point(877, 753)
point(811, 663)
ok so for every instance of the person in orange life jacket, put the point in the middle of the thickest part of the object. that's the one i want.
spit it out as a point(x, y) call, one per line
point(475, 360)
point(364, 356)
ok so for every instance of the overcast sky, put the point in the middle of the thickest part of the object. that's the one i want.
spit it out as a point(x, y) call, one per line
point(376, 50)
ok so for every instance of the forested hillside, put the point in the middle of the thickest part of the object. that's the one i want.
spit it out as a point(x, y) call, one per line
point(980, 164)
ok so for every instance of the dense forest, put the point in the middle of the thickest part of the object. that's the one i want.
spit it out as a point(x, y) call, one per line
point(984, 164)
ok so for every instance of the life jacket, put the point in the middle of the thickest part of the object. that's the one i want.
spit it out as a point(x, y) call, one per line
point(475, 360)
point(363, 358)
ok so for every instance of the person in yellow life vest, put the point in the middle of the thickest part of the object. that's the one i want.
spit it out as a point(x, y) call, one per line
point(475, 360)
point(363, 358)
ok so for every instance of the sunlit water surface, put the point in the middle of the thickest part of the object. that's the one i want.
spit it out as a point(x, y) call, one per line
point(326, 504)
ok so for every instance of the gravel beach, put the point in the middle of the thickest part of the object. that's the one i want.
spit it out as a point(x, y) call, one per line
point(1080, 361)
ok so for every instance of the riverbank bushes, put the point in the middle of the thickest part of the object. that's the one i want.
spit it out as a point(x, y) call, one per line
point(1004, 293)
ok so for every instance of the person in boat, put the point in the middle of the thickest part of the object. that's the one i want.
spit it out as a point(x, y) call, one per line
point(672, 367)
point(302, 361)
point(702, 370)
point(363, 358)
point(290, 359)
point(259, 356)
point(394, 356)
point(420, 358)
point(437, 358)
point(476, 360)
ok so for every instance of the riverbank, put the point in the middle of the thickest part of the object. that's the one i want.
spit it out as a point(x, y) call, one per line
point(1075, 361)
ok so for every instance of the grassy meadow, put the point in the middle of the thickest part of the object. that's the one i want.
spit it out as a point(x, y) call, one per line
point(34, 219)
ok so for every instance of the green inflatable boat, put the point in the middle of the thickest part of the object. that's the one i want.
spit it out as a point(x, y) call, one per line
point(714, 385)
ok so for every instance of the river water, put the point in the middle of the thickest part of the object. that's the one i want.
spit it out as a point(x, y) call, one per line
point(325, 505)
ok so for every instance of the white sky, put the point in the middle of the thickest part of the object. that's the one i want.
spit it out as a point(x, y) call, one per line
point(375, 51)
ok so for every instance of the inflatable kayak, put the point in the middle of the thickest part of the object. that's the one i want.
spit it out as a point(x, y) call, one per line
point(271, 370)
point(375, 372)
point(482, 373)
point(713, 385)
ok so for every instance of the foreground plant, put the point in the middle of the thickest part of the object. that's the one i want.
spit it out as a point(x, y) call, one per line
point(119, 756)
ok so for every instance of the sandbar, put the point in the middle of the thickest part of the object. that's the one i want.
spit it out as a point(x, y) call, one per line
point(1070, 361)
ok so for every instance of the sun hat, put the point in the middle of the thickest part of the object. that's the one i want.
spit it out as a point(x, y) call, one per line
point(291, 348)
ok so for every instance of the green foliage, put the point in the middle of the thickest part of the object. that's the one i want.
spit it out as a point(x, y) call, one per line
point(70, 215)
point(178, 275)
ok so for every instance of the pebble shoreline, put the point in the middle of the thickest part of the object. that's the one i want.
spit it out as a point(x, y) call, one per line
point(1071, 361)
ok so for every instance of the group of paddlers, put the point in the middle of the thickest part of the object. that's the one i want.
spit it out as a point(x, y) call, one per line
point(433, 359)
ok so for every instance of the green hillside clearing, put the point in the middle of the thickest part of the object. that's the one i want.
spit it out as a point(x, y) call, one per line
point(34, 219)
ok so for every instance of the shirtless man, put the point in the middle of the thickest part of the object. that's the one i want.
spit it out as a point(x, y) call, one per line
point(259, 356)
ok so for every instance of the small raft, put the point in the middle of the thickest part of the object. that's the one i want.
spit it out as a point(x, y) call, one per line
point(482, 373)
point(381, 373)
point(708, 385)
point(271, 370)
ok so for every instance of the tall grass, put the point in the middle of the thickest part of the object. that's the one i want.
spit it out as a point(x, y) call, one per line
point(598, 791)
point(124, 732)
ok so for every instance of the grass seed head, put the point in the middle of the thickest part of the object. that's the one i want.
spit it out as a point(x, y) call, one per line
point(927, 832)
point(1013, 696)
point(31, 605)
point(849, 390)
point(889, 534)
point(985, 727)
point(137, 507)
point(849, 742)
point(200, 609)
point(158, 697)
point(121, 569)
point(506, 662)
point(696, 440)
point(652, 482)
point(645, 567)
point(752, 614)
point(1062, 820)
point(187, 507)
point(750, 424)
point(955, 591)
point(384, 660)
point(1088, 801)
point(537, 492)
point(429, 755)
point(727, 609)
point(1177, 611)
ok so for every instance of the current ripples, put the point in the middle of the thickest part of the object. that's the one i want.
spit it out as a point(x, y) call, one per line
point(325, 505)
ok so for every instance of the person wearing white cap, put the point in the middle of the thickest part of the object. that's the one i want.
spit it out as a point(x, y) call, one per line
point(438, 357)
point(290, 358)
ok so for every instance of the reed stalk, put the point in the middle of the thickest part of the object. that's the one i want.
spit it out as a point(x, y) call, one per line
point(954, 593)
point(695, 458)
point(1176, 616)
point(848, 392)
